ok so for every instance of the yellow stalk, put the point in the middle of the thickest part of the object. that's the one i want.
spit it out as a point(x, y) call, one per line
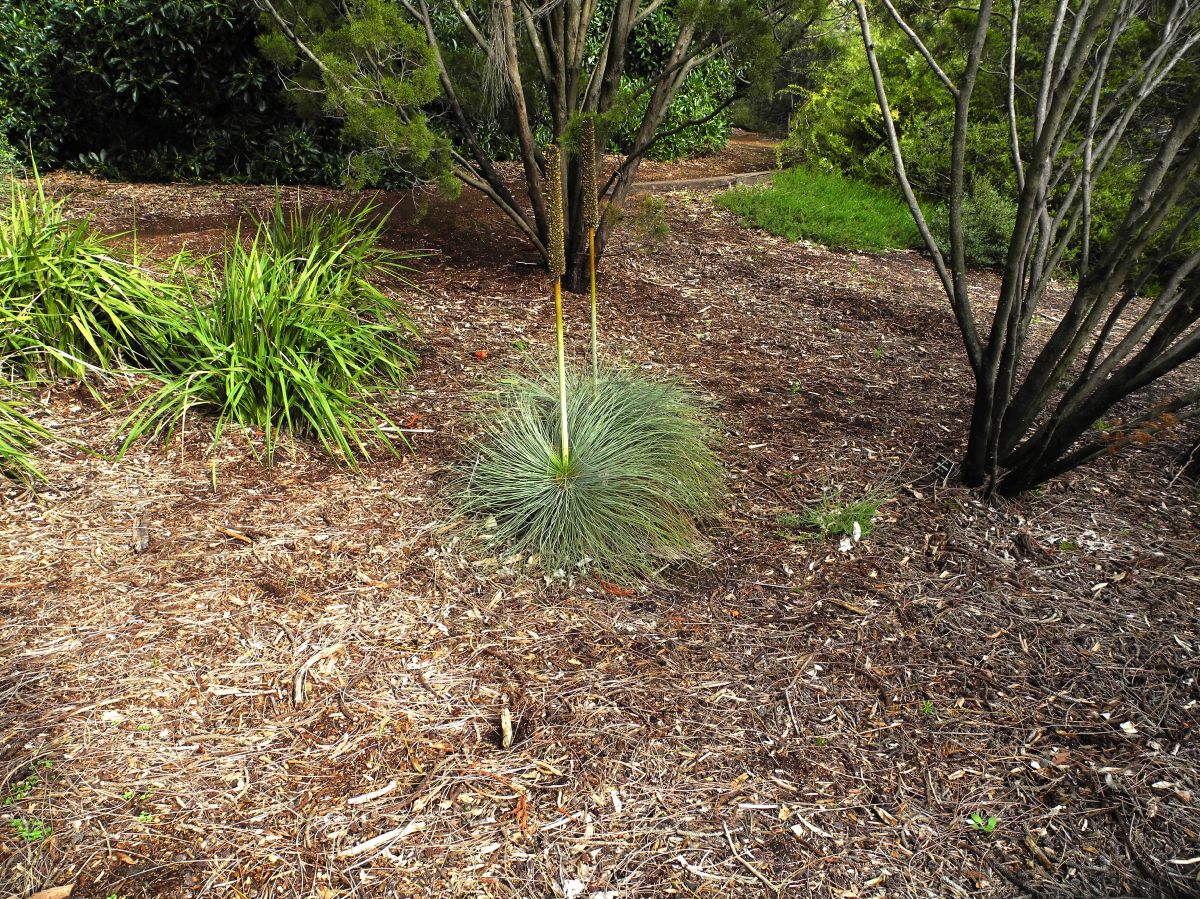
point(562, 371)
point(595, 325)
point(558, 267)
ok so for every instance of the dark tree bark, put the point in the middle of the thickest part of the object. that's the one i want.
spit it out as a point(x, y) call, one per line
point(1027, 428)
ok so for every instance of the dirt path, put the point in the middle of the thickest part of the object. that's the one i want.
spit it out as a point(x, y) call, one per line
point(295, 691)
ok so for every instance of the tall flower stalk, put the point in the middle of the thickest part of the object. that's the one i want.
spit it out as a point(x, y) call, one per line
point(558, 268)
point(591, 221)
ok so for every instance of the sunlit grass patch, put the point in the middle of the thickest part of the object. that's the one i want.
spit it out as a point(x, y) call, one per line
point(69, 303)
point(293, 337)
point(828, 209)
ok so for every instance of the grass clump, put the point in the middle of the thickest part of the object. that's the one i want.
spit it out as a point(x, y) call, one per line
point(642, 473)
point(68, 303)
point(826, 208)
point(18, 435)
point(295, 338)
point(836, 516)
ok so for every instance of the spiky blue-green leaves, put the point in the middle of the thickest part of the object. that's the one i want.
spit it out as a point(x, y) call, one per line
point(642, 478)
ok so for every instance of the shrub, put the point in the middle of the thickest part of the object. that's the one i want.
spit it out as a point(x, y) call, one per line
point(989, 218)
point(642, 473)
point(295, 338)
point(68, 303)
point(18, 434)
point(706, 88)
point(162, 89)
point(827, 208)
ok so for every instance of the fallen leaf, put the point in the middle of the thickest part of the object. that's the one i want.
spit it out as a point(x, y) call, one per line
point(55, 892)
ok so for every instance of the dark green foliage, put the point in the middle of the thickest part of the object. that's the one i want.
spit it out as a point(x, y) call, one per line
point(826, 208)
point(375, 74)
point(68, 302)
point(707, 88)
point(11, 162)
point(642, 474)
point(295, 338)
point(988, 221)
point(163, 89)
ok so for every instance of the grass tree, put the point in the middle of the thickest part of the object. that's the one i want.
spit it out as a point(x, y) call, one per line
point(604, 468)
point(558, 267)
point(1134, 313)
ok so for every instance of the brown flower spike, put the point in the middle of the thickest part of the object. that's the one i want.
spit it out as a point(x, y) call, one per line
point(587, 161)
point(554, 193)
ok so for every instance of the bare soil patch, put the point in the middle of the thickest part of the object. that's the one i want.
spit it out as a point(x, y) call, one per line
point(296, 689)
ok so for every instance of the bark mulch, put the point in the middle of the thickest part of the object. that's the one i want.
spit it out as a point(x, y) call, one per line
point(223, 680)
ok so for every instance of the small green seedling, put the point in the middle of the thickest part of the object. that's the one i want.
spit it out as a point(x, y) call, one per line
point(31, 830)
point(986, 825)
point(927, 707)
point(835, 517)
point(795, 387)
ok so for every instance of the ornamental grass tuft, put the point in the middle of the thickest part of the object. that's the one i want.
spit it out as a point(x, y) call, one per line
point(69, 304)
point(295, 338)
point(642, 474)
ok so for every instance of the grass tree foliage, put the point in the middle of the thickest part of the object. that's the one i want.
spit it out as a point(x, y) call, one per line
point(292, 336)
point(547, 61)
point(1134, 315)
point(641, 474)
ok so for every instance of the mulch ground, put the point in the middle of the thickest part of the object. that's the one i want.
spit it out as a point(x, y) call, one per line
point(296, 686)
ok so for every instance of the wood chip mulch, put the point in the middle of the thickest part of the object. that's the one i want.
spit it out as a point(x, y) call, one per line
point(223, 680)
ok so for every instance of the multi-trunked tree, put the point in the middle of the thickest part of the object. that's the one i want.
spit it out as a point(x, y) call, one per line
point(1105, 66)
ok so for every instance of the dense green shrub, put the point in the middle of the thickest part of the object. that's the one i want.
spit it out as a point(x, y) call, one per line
point(706, 89)
point(827, 208)
point(164, 89)
point(68, 302)
point(642, 473)
point(988, 219)
point(294, 338)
